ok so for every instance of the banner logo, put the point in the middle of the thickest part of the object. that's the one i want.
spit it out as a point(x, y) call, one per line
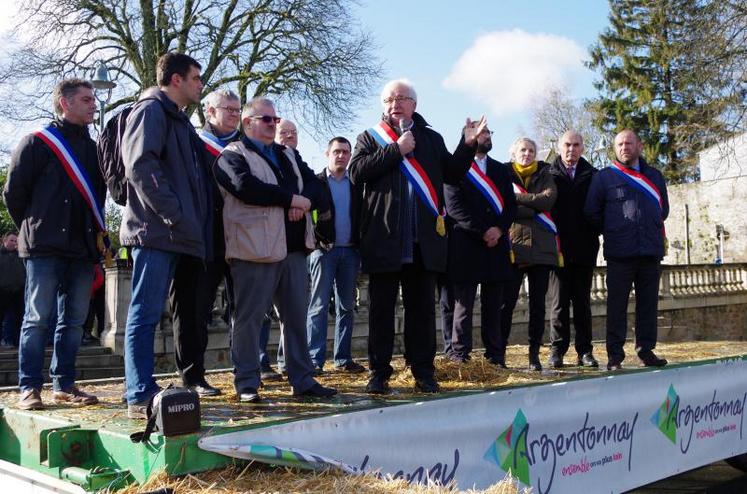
point(665, 418)
point(509, 452)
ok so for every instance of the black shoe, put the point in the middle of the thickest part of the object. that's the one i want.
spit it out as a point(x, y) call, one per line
point(614, 366)
point(202, 388)
point(534, 361)
point(587, 360)
point(650, 359)
point(89, 339)
point(555, 361)
point(268, 374)
point(319, 370)
point(498, 362)
point(316, 391)
point(427, 385)
point(377, 386)
point(249, 395)
point(351, 367)
point(456, 358)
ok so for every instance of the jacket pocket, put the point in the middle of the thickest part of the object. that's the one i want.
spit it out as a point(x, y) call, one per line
point(252, 234)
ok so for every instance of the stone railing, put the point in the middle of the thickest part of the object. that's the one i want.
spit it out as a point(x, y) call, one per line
point(692, 300)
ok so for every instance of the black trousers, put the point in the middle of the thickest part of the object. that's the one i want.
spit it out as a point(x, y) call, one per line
point(644, 274)
point(191, 296)
point(570, 285)
point(418, 290)
point(538, 276)
point(457, 301)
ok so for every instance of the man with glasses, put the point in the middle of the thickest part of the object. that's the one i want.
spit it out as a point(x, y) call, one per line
point(267, 197)
point(167, 215)
point(192, 290)
point(402, 164)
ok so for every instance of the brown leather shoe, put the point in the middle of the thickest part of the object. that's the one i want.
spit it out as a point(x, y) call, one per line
point(30, 400)
point(74, 396)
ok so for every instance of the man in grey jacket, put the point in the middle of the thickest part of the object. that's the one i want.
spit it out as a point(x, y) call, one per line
point(167, 213)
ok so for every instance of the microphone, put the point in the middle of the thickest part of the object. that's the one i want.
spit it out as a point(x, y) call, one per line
point(404, 125)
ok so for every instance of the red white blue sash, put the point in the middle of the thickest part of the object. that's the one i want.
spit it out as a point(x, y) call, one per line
point(544, 219)
point(212, 144)
point(77, 173)
point(640, 182)
point(385, 135)
point(486, 187)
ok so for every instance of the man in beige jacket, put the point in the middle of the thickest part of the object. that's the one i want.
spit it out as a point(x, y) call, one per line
point(267, 195)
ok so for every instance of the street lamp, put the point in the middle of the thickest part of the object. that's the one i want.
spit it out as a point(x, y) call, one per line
point(102, 89)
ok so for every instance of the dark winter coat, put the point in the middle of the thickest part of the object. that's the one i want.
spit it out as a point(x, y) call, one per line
point(579, 240)
point(12, 271)
point(630, 221)
point(533, 244)
point(377, 170)
point(470, 215)
point(168, 190)
point(52, 217)
point(324, 229)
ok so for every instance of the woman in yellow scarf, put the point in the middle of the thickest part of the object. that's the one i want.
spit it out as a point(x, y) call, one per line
point(535, 248)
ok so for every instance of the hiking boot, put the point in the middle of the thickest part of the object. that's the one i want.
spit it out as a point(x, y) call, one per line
point(427, 385)
point(73, 396)
point(377, 385)
point(30, 400)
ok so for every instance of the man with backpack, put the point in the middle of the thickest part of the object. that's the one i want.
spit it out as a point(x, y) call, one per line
point(167, 215)
point(54, 193)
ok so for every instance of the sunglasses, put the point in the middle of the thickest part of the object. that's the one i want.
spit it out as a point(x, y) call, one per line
point(265, 118)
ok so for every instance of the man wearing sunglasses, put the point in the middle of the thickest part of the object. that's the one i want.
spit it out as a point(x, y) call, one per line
point(267, 197)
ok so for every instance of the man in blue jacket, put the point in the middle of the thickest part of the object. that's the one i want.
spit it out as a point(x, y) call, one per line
point(628, 202)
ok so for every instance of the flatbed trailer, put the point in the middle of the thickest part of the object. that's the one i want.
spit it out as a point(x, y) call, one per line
point(560, 431)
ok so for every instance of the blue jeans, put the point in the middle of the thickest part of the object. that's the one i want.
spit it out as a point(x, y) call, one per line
point(336, 268)
point(152, 272)
point(53, 284)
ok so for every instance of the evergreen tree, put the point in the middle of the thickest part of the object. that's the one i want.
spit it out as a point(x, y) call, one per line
point(655, 80)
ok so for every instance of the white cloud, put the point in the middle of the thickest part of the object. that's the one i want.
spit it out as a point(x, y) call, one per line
point(506, 70)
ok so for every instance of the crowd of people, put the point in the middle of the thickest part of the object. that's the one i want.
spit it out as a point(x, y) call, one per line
point(235, 201)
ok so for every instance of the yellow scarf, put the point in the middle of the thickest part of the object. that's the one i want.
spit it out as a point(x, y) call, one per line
point(524, 172)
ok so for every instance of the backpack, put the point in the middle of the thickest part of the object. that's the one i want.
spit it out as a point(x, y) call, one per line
point(109, 151)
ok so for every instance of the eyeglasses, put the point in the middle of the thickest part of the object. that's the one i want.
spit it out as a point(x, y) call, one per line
point(266, 118)
point(232, 111)
point(399, 99)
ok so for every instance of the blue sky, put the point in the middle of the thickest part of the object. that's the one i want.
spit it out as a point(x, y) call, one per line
point(492, 59)
point(472, 58)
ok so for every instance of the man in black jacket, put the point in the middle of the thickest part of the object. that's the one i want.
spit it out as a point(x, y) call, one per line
point(402, 228)
point(58, 240)
point(579, 242)
point(167, 215)
point(480, 212)
point(336, 261)
point(192, 291)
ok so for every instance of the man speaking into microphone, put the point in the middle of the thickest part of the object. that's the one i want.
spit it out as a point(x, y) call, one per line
point(402, 165)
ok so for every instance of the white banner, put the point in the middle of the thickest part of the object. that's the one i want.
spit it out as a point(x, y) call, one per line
point(604, 434)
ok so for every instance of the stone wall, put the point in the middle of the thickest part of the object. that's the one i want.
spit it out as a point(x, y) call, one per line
point(702, 302)
point(710, 203)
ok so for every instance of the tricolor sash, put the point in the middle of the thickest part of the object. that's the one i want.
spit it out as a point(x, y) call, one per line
point(384, 135)
point(639, 181)
point(77, 174)
point(546, 221)
point(486, 187)
point(212, 144)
